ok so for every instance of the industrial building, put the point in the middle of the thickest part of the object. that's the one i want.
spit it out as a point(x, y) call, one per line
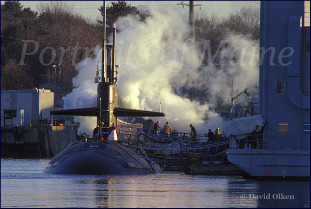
point(25, 107)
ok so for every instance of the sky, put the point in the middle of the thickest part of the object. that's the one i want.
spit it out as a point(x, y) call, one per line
point(89, 9)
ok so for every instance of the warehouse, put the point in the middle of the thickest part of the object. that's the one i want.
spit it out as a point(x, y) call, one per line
point(25, 107)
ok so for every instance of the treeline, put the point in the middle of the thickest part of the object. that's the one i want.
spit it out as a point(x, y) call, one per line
point(31, 42)
point(244, 22)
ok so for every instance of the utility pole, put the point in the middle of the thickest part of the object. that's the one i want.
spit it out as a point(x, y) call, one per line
point(191, 6)
point(191, 20)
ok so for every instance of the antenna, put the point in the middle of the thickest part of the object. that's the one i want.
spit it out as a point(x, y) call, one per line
point(104, 42)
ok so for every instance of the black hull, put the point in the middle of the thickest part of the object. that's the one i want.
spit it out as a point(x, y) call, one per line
point(98, 158)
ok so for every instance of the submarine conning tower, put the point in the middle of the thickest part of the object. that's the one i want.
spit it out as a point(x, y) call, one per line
point(107, 89)
point(107, 109)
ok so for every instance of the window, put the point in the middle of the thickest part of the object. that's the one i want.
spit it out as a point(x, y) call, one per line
point(307, 14)
point(8, 117)
point(307, 128)
point(283, 127)
point(307, 46)
point(280, 87)
point(305, 19)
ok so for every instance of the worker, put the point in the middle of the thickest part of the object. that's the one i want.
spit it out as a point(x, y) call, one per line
point(193, 131)
point(113, 134)
point(113, 127)
point(211, 136)
point(217, 134)
point(167, 128)
point(101, 131)
point(156, 127)
point(95, 134)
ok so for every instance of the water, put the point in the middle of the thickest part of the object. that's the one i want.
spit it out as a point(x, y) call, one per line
point(23, 184)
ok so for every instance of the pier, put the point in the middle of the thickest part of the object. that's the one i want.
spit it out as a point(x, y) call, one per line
point(42, 141)
point(179, 151)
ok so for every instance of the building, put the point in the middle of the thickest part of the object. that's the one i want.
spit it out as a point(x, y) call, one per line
point(281, 148)
point(23, 107)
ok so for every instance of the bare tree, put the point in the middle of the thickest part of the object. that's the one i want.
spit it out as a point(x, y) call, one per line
point(246, 21)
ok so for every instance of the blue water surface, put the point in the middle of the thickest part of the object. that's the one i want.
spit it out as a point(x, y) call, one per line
point(24, 184)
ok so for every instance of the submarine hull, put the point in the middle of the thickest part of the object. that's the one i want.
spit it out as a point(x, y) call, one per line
point(98, 158)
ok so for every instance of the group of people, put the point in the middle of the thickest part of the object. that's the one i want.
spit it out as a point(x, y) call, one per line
point(214, 136)
point(211, 135)
point(101, 132)
point(166, 128)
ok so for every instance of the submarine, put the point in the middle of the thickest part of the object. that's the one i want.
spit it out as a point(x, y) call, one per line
point(103, 157)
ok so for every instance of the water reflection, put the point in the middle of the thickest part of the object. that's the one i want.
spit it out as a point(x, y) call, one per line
point(269, 194)
point(196, 191)
point(24, 185)
point(284, 194)
point(237, 188)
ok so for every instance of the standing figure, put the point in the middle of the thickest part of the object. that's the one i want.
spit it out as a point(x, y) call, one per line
point(95, 134)
point(156, 127)
point(113, 127)
point(167, 128)
point(101, 131)
point(113, 134)
point(193, 131)
point(217, 134)
point(211, 136)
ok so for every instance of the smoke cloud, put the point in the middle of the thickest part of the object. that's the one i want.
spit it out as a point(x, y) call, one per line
point(84, 93)
point(157, 61)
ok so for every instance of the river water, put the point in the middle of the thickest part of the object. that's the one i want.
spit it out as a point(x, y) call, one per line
point(23, 184)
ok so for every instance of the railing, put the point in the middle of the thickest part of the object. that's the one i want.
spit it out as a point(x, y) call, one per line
point(244, 111)
point(178, 149)
point(128, 132)
point(279, 142)
point(253, 141)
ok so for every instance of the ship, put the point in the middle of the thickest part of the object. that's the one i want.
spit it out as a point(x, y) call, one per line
point(275, 144)
point(103, 157)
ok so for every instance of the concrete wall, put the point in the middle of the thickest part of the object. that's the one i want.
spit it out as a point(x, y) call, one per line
point(46, 103)
point(45, 141)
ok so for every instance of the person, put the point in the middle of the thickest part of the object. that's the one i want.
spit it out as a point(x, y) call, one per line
point(211, 136)
point(95, 134)
point(193, 131)
point(100, 130)
point(113, 133)
point(113, 127)
point(156, 127)
point(217, 134)
point(167, 128)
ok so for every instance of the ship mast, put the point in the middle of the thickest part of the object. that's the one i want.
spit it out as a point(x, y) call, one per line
point(104, 43)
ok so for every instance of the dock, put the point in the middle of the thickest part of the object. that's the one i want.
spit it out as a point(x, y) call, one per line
point(179, 152)
point(42, 141)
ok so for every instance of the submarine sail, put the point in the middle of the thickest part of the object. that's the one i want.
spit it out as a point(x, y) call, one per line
point(102, 157)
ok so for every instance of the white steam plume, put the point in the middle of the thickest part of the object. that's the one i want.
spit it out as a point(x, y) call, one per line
point(155, 56)
point(157, 61)
point(238, 64)
point(84, 93)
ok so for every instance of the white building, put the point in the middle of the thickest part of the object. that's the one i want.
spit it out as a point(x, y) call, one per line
point(22, 107)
